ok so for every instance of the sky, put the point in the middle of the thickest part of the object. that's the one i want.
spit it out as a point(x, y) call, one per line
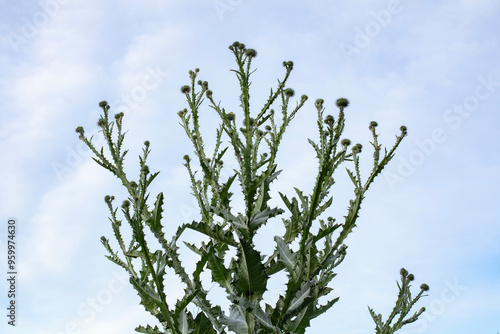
point(429, 65)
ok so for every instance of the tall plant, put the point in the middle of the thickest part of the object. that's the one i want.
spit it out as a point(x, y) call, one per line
point(319, 243)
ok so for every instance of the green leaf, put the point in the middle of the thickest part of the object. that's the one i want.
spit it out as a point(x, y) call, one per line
point(183, 323)
point(286, 255)
point(235, 322)
point(262, 217)
point(149, 330)
point(323, 308)
point(251, 277)
point(219, 272)
point(149, 299)
point(215, 232)
point(224, 194)
point(203, 325)
point(301, 297)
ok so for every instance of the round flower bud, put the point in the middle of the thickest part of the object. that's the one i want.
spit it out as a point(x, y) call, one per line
point(260, 133)
point(329, 120)
point(125, 204)
point(145, 169)
point(133, 184)
point(264, 155)
point(146, 143)
point(197, 70)
point(186, 157)
point(185, 89)
point(80, 130)
point(241, 46)
point(373, 124)
point(342, 102)
point(319, 102)
point(424, 287)
point(209, 93)
point(403, 129)
point(101, 122)
point(289, 92)
point(403, 272)
point(119, 116)
point(103, 104)
point(411, 277)
point(251, 53)
point(200, 82)
point(330, 219)
point(345, 142)
point(357, 148)
point(107, 199)
point(236, 44)
point(268, 128)
point(303, 97)
point(231, 116)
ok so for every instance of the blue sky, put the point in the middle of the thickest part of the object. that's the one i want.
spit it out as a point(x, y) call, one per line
point(432, 66)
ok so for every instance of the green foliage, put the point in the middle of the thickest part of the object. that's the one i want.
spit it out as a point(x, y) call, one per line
point(244, 277)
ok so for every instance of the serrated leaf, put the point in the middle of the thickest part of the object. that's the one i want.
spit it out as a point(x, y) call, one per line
point(215, 232)
point(203, 325)
point(301, 296)
point(251, 277)
point(286, 255)
point(235, 322)
point(148, 330)
point(263, 216)
point(219, 272)
point(323, 308)
point(149, 298)
point(183, 323)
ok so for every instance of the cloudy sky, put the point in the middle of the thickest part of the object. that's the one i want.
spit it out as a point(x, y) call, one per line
point(432, 66)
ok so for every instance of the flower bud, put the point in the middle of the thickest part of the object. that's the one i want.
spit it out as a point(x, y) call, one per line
point(342, 102)
point(209, 93)
point(357, 148)
point(145, 170)
point(186, 157)
point(251, 53)
point(185, 89)
point(303, 97)
point(146, 143)
point(404, 129)
point(231, 116)
point(403, 272)
point(101, 123)
point(373, 124)
point(345, 142)
point(80, 130)
point(329, 120)
point(424, 287)
point(103, 104)
point(411, 277)
point(268, 128)
point(289, 92)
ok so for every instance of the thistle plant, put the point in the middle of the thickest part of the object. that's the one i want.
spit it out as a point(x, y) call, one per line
point(310, 249)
